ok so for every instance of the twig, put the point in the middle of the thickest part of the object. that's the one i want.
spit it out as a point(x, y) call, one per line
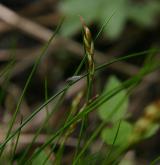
point(41, 33)
point(24, 24)
point(50, 20)
point(25, 139)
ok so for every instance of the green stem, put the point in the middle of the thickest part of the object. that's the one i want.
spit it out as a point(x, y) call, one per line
point(97, 131)
point(68, 85)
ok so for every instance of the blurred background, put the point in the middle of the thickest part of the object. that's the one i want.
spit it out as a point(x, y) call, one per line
point(128, 26)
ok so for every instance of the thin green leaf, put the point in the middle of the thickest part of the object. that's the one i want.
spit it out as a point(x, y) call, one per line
point(125, 129)
point(40, 159)
point(67, 86)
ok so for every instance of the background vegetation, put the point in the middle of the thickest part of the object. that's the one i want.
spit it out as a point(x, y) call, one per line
point(79, 82)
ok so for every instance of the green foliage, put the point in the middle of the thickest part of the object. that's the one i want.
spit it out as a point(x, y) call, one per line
point(144, 14)
point(108, 134)
point(40, 159)
point(72, 9)
point(112, 111)
point(117, 22)
point(91, 159)
point(99, 10)
point(116, 107)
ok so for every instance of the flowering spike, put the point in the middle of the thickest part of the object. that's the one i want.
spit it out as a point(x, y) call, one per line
point(88, 47)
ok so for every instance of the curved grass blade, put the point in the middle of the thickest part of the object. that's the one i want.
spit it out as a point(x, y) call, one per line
point(104, 25)
point(97, 131)
point(95, 104)
point(114, 140)
point(28, 82)
point(62, 90)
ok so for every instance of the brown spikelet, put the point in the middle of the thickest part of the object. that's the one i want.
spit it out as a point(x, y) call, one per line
point(150, 118)
point(74, 108)
point(88, 47)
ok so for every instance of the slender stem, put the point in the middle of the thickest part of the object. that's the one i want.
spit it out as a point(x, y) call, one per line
point(88, 142)
point(68, 85)
point(16, 144)
point(27, 84)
